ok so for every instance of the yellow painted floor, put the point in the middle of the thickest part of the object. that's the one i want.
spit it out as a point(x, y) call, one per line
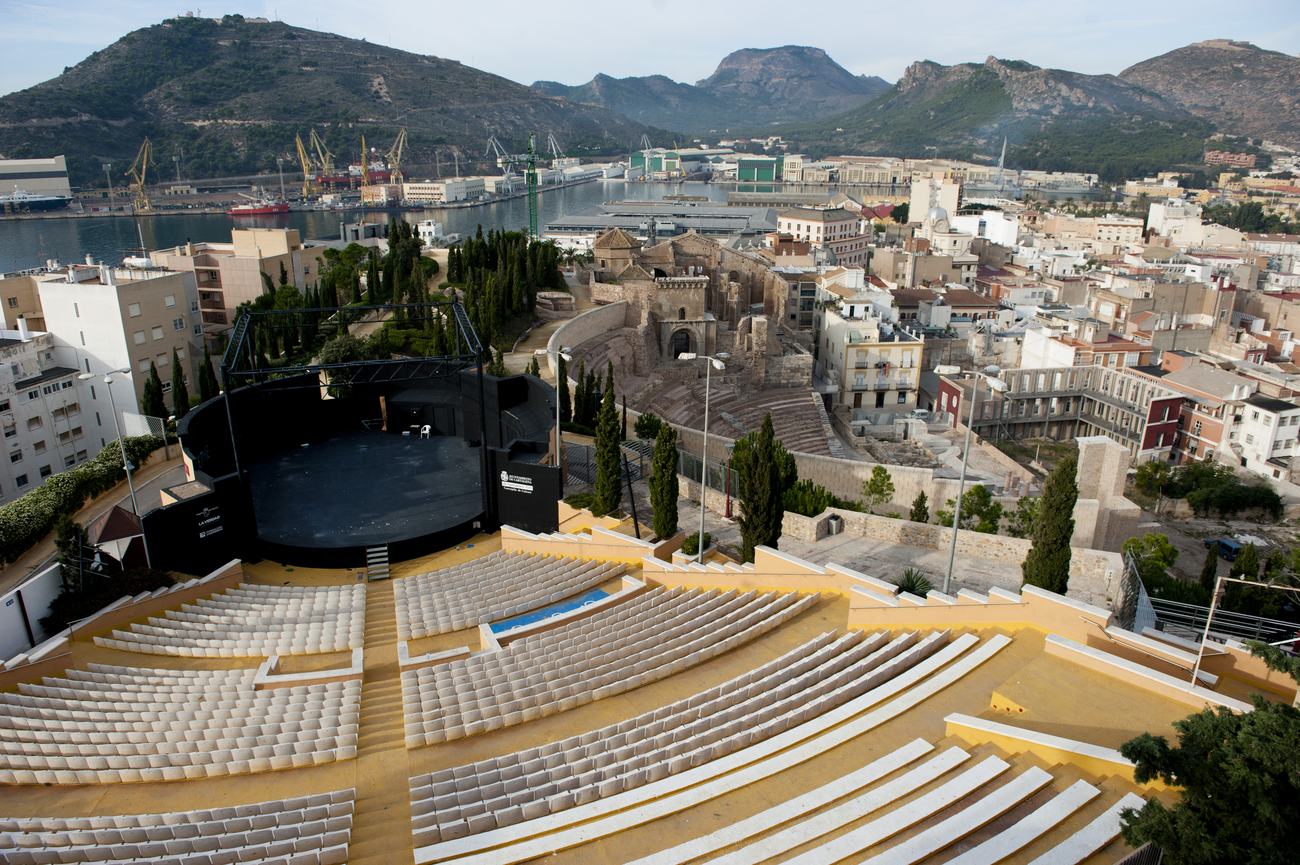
point(1057, 697)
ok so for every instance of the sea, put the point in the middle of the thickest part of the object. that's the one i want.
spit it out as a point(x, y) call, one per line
point(28, 243)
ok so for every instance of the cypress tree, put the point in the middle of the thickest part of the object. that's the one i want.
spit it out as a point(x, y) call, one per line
point(624, 432)
point(562, 384)
point(920, 509)
point(208, 387)
point(1210, 567)
point(663, 483)
point(1048, 563)
point(593, 401)
point(151, 400)
point(762, 481)
point(180, 392)
point(580, 395)
point(609, 492)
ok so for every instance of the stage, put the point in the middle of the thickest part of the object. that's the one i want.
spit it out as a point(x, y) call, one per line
point(361, 489)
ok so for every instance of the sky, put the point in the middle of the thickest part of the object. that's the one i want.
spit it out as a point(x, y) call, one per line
point(569, 41)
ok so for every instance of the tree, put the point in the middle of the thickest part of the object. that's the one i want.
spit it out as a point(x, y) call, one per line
point(764, 469)
point(920, 512)
point(75, 552)
point(208, 387)
point(1151, 478)
point(979, 512)
point(623, 432)
point(1246, 565)
point(1153, 555)
point(1048, 563)
point(151, 401)
point(1021, 521)
point(1210, 567)
point(609, 492)
point(663, 483)
point(180, 392)
point(534, 369)
point(562, 382)
point(900, 213)
point(647, 426)
point(877, 489)
point(1239, 779)
point(497, 364)
point(580, 395)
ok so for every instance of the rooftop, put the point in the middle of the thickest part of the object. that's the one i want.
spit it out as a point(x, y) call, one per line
point(54, 372)
point(1272, 404)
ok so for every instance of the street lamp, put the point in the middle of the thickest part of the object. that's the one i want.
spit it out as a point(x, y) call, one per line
point(989, 373)
point(714, 362)
point(559, 354)
point(121, 443)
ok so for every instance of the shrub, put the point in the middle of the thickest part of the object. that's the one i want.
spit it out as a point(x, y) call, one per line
point(809, 499)
point(581, 501)
point(691, 545)
point(915, 581)
point(24, 521)
point(647, 426)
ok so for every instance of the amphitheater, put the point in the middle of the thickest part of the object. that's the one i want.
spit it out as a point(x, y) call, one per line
point(577, 697)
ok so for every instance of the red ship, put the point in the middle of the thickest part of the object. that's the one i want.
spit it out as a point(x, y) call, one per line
point(259, 207)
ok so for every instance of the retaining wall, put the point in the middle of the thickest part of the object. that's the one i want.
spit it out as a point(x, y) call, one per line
point(587, 325)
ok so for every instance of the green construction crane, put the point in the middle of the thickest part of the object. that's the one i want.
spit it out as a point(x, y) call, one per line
point(530, 181)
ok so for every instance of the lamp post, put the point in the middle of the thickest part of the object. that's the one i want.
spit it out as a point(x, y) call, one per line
point(714, 362)
point(121, 443)
point(556, 356)
point(990, 373)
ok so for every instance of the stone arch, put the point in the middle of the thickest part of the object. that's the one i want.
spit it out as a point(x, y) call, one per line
point(682, 340)
point(660, 273)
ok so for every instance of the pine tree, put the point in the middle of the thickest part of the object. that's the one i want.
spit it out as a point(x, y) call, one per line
point(920, 512)
point(180, 392)
point(562, 384)
point(877, 489)
point(1210, 567)
point(1048, 563)
point(663, 483)
point(208, 386)
point(151, 400)
point(761, 491)
point(609, 491)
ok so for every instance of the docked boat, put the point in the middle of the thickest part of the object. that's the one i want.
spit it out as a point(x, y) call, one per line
point(259, 207)
point(22, 201)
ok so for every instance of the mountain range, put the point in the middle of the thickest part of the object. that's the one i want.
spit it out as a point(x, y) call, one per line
point(227, 96)
point(751, 88)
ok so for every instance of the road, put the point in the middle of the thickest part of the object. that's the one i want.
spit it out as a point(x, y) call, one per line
point(149, 483)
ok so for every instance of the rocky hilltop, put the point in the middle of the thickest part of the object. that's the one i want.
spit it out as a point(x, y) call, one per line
point(1240, 88)
point(1051, 118)
point(750, 90)
point(231, 94)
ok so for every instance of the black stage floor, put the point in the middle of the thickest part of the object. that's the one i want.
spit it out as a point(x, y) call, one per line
point(361, 489)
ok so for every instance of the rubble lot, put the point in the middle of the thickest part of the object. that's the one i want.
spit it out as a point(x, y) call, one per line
point(1189, 534)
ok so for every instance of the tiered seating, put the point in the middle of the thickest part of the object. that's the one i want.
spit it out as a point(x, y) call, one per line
point(624, 646)
point(313, 829)
point(806, 683)
point(108, 724)
point(254, 620)
point(496, 586)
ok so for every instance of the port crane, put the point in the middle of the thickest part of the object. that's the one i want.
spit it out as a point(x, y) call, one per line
point(139, 173)
point(557, 152)
point(365, 162)
point(305, 161)
point(394, 157)
point(530, 182)
point(505, 161)
point(324, 158)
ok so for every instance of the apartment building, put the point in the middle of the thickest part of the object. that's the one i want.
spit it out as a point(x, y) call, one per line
point(229, 274)
point(1268, 441)
point(442, 191)
point(835, 229)
point(872, 362)
point(105, 318)
point(1211, 407)
point(20, 301)
point(42, 419)
point(1044, 348)
point(1136, 410)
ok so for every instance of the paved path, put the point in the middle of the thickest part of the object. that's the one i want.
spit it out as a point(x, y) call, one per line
point(517, 360)
point(149, 482)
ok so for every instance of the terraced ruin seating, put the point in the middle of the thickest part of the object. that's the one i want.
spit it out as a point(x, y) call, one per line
point(107, 724)
point(252, 621)
point(734, 411)
point(309, 829)
point(497, 586)
point(805, 683)
point(641, 640)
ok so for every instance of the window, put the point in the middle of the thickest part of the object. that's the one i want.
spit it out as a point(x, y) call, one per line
point(82, 334)
point(902, 398)
point(157, 332)
point(178, 324)
point(169, 301)
point(33, 394)
point(162, 360)
point(198, 330)
point(4, 405)
point(13, 303)
point(69, 462)
point(21, 480)
point(1250, 439)
point(138, 336)
point(166, 387)
point(143, 365)
point(16, 457)
point(1254, 415)
point(11, 431)
point(35, 423)
point(81, 455)
point(133, 310)
point(46, 471)
point(39, 447)
point(180, 354)
point(1196, 429)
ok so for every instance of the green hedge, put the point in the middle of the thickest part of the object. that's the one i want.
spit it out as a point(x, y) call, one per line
point(24, 521)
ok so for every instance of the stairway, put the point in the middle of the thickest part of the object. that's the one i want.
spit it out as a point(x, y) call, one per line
point(377, 563)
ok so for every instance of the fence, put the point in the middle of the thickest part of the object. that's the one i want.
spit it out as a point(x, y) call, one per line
point(1188, 620)
point(1133, 609)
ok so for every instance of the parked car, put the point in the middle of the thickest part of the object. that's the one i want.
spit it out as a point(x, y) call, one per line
point(1228, 549)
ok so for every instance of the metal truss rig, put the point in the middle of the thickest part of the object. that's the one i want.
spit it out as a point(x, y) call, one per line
point(242, 364)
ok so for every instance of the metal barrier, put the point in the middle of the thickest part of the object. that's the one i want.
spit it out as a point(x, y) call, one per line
point(1188, 620)
point(1147, 854)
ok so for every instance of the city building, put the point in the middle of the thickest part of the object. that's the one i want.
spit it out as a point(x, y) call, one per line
point(1266, 441)
point(228, 274)
point(122, 318)
point(835, 230)
point(1229, 158)
point(443, 191)
point(48, 176)
point(41, 413)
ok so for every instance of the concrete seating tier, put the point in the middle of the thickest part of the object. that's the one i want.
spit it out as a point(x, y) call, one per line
point(310, 829)
point(804, 684)
point(627, 645)
point(251, 621)
point(108, 724)
point(494, 587)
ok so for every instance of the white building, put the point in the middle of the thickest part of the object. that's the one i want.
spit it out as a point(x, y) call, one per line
point(996, 226)
point(38, 176)
point(1266, 440)
point(42, 419)
point(430, 232)
point(929, 191)
point(443, 191)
